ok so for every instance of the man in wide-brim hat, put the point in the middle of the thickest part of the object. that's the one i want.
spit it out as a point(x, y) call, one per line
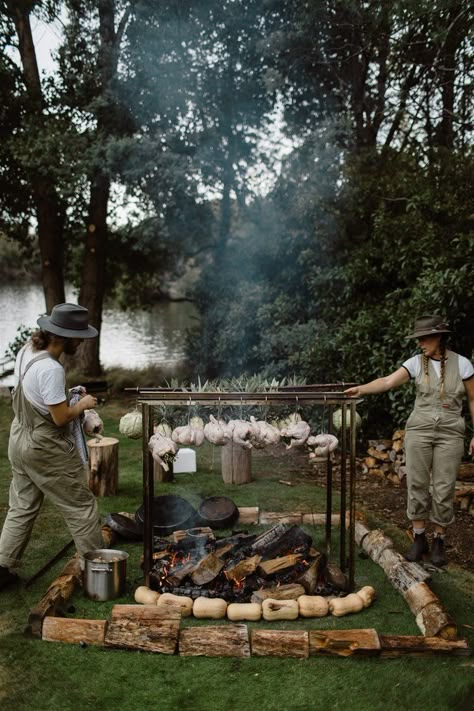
point(42, 451)
point(434, 436)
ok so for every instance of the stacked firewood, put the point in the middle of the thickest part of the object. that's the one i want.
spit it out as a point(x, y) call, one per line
point(386, 458)
point(464, 493)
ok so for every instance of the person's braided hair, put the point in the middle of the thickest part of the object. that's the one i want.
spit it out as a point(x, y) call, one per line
point(442, 348)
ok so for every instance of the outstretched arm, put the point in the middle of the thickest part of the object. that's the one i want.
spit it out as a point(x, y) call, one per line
point(380, 385)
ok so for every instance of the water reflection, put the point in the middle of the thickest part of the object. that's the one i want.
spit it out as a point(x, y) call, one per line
point(130, 339)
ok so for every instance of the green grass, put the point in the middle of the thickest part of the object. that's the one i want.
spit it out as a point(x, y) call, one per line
point(40, 675)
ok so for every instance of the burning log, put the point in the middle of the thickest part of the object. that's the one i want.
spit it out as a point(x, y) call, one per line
point(282, 592)
point(207, 569)
point(344, 643)
point(216, 641)
point(270, 567)
point(74, 631)
point(241, 570)
point(147, 627)
point(309, 579)
point(284, 540)
point(280, 643)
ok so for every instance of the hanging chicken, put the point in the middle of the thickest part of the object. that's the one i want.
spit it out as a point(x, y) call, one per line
point(241, 433)
point(297, 433)
point(217, 432)
point(163, 449)
point(321, 446)
point(263, 433)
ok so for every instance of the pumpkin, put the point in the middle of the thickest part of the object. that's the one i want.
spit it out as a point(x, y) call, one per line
point(209, 608)
point(130, 425)
point(244, 611)
point(185, 603)
point(340, 606)
point(367, 593)
point(279, 609)
point(337, 419)
point(145, 596)
point(313, 606)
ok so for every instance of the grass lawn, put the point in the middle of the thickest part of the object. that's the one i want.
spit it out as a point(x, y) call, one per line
point(40, 675)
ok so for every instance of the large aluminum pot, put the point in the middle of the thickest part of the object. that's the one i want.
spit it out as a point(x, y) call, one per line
point(105, 573)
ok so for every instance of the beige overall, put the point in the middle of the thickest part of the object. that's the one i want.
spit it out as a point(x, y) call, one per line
point(45, 462)
point(434, 443)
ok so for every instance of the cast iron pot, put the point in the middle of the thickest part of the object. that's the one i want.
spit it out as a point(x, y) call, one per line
point(170, 513)
point(218, 512)
point(125, 527)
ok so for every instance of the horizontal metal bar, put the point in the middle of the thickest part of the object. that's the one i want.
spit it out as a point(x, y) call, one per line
point(323, 398)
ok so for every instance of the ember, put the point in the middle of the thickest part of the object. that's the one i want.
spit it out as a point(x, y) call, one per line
point(196, 564)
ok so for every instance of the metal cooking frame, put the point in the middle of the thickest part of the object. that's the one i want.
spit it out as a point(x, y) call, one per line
point(323, 395)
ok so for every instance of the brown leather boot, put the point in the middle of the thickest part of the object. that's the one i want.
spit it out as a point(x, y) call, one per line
point(438, 554)
point(418, 548)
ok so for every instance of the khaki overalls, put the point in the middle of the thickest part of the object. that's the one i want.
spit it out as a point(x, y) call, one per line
point(45, 462)
point(434, 443)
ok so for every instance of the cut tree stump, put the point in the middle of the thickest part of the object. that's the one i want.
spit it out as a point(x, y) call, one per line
point(74, 631)
point(236, 463)
point(218, 641)
point(280, 643)
point(102, 466)
point(344, 643)
point(151, 628)
point(160, 475)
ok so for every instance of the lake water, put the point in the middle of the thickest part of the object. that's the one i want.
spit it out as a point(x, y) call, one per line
point(132, 339)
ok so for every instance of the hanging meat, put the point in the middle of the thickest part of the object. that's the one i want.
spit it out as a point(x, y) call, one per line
point(263, 433)
point(163, 449)
point(217, 432)
point(321, 446)
point(188, 436)
point(297, 433)
point(92, 424)
point(241, 433)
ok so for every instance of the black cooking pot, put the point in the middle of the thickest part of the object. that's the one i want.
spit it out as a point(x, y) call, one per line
point(170, 513)
point(126, 527)
point(218, 512)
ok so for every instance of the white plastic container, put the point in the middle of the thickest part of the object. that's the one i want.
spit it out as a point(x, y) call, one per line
point(185, 461)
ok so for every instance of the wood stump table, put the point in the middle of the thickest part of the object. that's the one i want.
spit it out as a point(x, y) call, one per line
point(102, 467)
point(236, 462)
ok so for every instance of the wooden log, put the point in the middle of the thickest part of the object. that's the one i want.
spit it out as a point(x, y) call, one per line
point(279, 643)
point(434, 621)
point(271, 517)
point(371, 462)
point(236, 464)
point(248, 515)
point(377, 472)
point(215, 641)
point(147, 627)
point(55, 596)
point(344, 643)
point(381, 445)
point(273, 546)
point(270, 567)
point(102, 466)
point(398, 435)
point(161, 475)
point(245, 567)
point(466, 470)
point(309, 579)
point(74, 631)
point(414, 645)
point(207, 569)
point(291, 591)
point(319, 519)
point(269, 537)
point(382, 456)
point(397, 446)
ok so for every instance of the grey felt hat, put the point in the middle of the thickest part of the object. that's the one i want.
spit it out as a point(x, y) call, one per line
point(429, 326)
point(68, 320)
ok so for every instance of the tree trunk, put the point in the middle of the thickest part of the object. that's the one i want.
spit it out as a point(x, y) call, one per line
point(236, 463)
point(103, 466)
point(64, 629)
point(147, 627)
point(218, 641)
point(279, 643)
point(344, 643)
point(56, 595)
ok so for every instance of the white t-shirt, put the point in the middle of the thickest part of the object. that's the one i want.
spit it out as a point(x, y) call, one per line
point(413, 365)
point(45, 382)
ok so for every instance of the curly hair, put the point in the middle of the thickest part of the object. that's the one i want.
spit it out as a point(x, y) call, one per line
point(41, 339)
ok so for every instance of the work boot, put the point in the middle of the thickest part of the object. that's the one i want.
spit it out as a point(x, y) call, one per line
point(7, 578)
point(418, 548)
point(438, 554)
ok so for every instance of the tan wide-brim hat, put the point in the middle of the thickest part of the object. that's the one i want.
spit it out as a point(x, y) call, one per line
point(69, 321)
point(429, 326)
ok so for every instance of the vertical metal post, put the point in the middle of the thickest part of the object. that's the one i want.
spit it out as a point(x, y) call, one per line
point(329, 492)
point(148, 492)
point(352, 487)
point(342, 506)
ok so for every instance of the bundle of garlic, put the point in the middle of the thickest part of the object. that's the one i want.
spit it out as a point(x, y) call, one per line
point(163, 449)
point(130, 425)
point(217, 432)
point(188, 436)
point(297, 433)
point(263, 433)
point(321, 446)
point(355, 602)
point(92, 424)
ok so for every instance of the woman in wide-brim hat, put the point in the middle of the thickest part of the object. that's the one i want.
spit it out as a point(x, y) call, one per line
point(42, 450)
point(434, 434)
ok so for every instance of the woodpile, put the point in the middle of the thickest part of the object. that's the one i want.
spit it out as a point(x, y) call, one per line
point(464, 492)
point(386, 458)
